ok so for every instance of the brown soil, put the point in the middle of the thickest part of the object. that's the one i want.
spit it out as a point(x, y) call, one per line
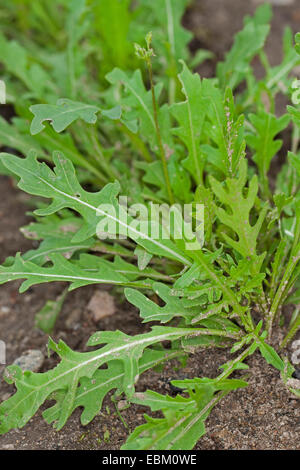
point(262, 416)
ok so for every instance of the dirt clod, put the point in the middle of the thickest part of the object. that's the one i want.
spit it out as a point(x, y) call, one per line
point(101, 305)
point(32, 359)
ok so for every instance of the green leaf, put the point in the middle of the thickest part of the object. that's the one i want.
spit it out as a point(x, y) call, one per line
point(271, 355)
point(295, 114)
point(33, 389)
point(236, 213)
point(49, 246)
point(201, 384)
point(175, 307)
point(11, 137)
point(91, 392)
point(61, 270)
point(76, 26)
point(150, 311)
point(53, 226)
point(49, 141)
point(278, 75)
point(93, 263)
point(262, 140)
point(154, 176)
point(205, 196)
point(180, 179)
point(61, 115)
point(143, 258)
point(295, 159)
point(137, 105)
point(184, 418)
point(225, 130)
point(293, 298)
point(17, 61)
point(99, 210)
point(46, 318)
point(156, 401)
point(190, 115)
point(119, 51)
point(176, 431)
point(171, 39)
point(297, 45)
point(247, 44)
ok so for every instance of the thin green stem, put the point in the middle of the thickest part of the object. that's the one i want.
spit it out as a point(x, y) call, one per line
point(296, 237)
point(159, 140)
point(115, 402)
point(282, 289)
point(137, 142)
point(172, 90)
point(230, 295)
point(235, 361)
point(293, 330)
point(295, 139)
point(100, 157)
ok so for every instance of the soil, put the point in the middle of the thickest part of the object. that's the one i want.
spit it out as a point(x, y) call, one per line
point(262, 416)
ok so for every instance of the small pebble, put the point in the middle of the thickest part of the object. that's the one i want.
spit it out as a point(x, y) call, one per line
point(296, 374)
point(5, 396)
point(4, 309)
point(7, 447)
point(101, 305)
point(32, 359)
point(122, 405)
point(74, 318)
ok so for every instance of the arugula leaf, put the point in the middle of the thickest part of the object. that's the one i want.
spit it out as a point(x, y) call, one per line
point(76, 26)
point(33, 389)
point(237, 212)
point(17, 61)
point(93, 263)
point(62, 186)
point(64, 113)
point(175, 307)
point(278, 75)
point(295, 161)
point(49, 246)
point(45, 318)
point(137, 106)
point(190, 115)
point(263, 142)
point(61, 270)
point(91, 392)
point(247, 44)
point(184, 418)
point(297, 41)
point(150, 311)
point(118, 51)
point(171, 39)
point(225, 129)
point(11, 137)
point(271, 355)
point(52, 226)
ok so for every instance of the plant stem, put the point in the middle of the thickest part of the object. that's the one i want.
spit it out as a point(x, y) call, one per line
point(293, 330)
point(198, 256)
point(115, 402)
point(265, 186)
point(282, 289)
point(296, 237)
point(160, 144)
point(235, 361)
point(295, 139)
point(137, 142)
point(109, 170)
